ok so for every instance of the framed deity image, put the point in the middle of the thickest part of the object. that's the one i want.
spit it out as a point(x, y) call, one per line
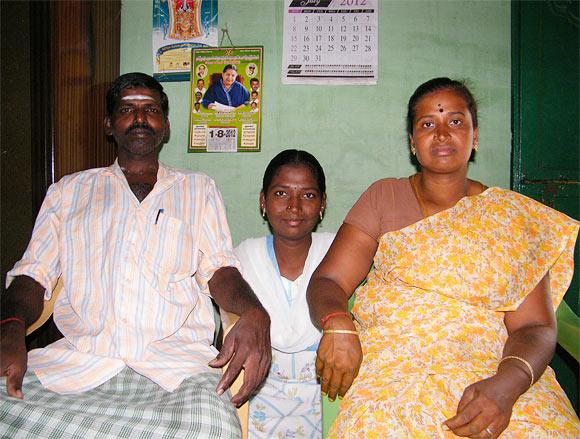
point(178, 27)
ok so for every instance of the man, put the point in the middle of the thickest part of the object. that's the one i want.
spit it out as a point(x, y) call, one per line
point(255, 84)
point(201, 71)
point(139, 248)
point(254, 97)
point(200, 88)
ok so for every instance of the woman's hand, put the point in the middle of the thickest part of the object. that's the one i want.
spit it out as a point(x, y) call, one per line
point(485, 408)
point(338, 358)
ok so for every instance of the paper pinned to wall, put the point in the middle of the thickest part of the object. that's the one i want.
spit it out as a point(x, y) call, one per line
point(330, 42)
point(226, 99)
point(178, 27)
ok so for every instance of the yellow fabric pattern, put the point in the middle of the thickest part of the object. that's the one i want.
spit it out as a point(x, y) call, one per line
point(431, 317)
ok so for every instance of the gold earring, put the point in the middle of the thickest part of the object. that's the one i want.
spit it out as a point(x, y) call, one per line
point(475, 146)
point(320, 214)
point(413, 150)
point(264, 212)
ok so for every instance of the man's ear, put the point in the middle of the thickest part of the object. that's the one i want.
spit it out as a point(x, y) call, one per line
point(167, 134)
point(108, 127)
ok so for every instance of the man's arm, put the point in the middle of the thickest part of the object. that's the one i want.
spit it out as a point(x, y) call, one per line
point(22, 302)
point(249, 340)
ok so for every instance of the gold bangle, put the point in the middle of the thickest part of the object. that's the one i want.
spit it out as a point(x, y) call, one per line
point(340, 331)
point(528, 365)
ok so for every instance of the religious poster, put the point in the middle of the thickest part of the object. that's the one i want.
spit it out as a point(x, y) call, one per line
point(178, 27)
point(330, 42)
point(226, 99)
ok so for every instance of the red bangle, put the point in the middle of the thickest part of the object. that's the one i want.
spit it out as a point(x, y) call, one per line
point(327, 317)
point(12, 319)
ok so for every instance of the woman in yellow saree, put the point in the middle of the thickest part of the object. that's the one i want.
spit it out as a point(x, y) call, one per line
point(456, 321)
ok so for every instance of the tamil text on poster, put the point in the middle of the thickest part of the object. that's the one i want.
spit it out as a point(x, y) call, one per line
point(226, 99)
point(178, 27)
point(330, 42)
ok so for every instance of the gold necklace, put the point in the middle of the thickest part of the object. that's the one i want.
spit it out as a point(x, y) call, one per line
point(418, 195)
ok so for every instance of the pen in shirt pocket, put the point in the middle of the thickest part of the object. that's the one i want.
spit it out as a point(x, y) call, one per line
point(159, 212)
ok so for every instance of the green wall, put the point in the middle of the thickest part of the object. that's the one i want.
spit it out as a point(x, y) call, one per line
point(357, 132)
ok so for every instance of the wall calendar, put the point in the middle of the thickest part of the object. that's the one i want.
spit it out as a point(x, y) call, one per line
point(330, 42)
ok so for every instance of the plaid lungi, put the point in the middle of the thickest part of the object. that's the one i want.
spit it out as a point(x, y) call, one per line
point(127, 406)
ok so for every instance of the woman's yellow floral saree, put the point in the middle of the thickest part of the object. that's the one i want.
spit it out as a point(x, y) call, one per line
point(431, 317)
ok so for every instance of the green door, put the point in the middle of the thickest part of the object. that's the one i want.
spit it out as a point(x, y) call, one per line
point(545, 160)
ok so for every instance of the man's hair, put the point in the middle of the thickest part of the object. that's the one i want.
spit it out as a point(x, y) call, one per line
point(133, 80)
point(254, 80)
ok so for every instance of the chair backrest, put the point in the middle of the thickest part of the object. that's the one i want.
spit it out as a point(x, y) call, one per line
point(47, 310)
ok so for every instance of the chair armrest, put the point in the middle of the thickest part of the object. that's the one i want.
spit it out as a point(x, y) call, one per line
point(228, 321)
point(47, 309)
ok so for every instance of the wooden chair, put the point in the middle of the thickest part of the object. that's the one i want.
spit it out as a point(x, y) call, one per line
point(228, 320)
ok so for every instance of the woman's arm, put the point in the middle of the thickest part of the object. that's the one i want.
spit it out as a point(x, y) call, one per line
point(532, 337)
point(343, 268)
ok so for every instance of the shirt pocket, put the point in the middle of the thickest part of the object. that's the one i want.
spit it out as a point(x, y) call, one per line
point(170, 253)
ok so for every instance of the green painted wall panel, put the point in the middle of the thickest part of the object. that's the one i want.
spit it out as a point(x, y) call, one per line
point(357, 132)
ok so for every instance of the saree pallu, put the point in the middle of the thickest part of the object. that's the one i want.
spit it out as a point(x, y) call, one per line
point(431, 317)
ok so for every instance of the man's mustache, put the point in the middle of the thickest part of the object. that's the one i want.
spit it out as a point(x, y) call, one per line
point(140, 126)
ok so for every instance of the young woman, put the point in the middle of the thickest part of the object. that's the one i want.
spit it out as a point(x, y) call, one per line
point(278, 268)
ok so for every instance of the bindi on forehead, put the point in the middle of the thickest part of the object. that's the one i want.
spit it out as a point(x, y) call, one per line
point(440, 107)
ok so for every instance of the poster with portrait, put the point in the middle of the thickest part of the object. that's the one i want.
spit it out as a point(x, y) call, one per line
point(178, 27)
point(226, 99)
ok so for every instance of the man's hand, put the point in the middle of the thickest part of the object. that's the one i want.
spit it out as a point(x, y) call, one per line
point(338, 358)
point(23, 299)
point(13, 357)
point(247, 345)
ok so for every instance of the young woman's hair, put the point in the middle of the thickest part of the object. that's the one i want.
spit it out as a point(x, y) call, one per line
point(437, 84)
point(294, 157)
